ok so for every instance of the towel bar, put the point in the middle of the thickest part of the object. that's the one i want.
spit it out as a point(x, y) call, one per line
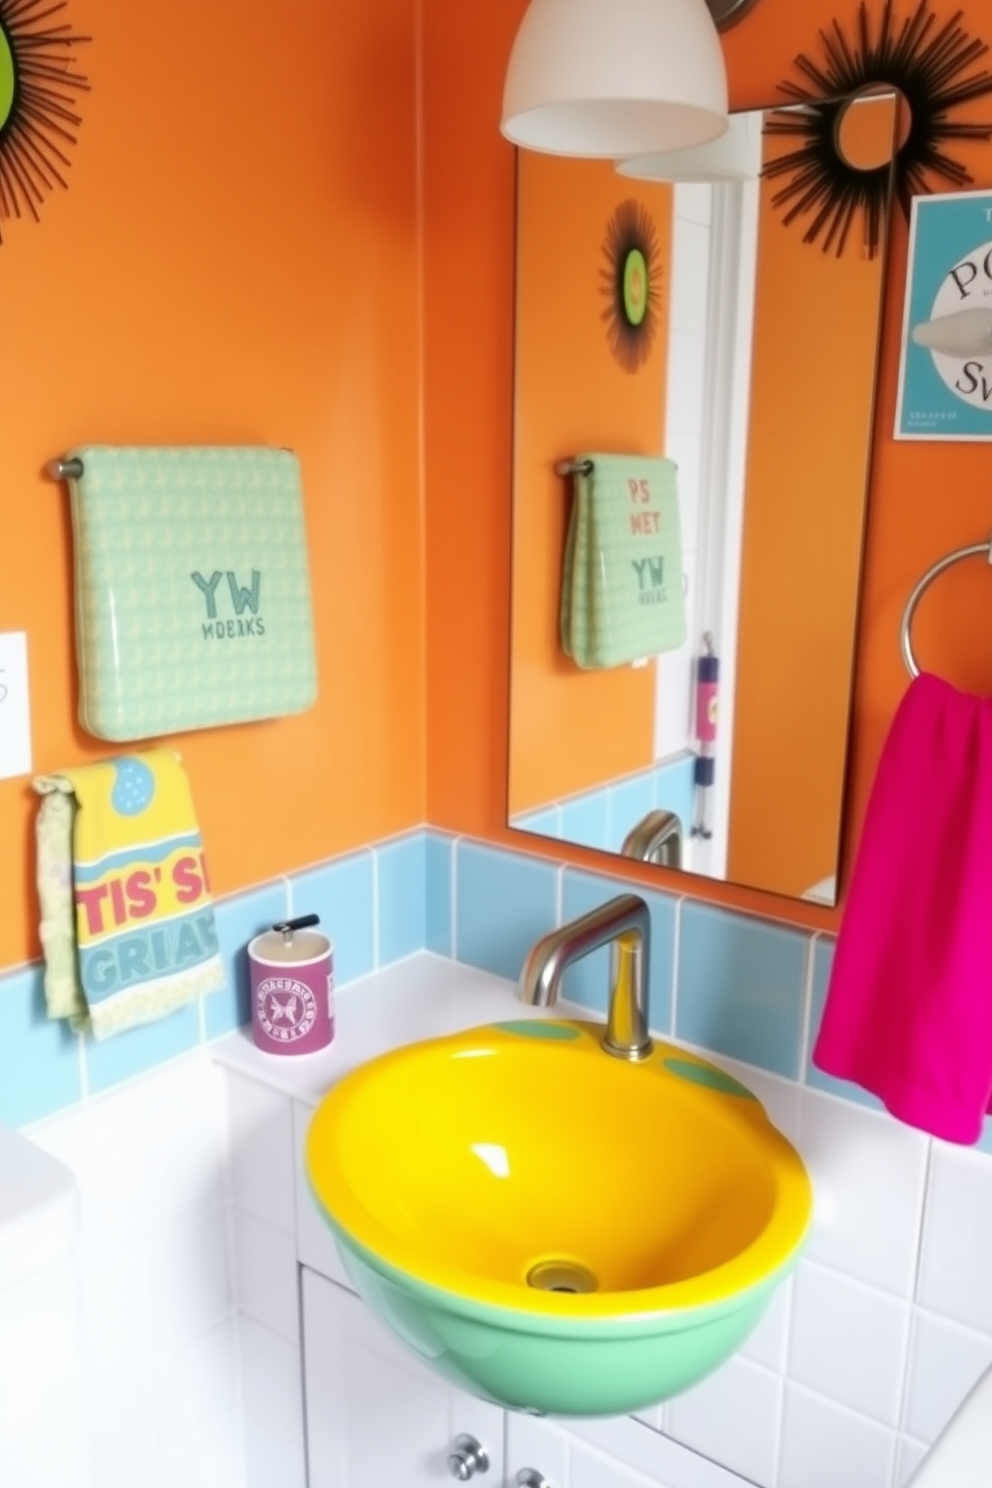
point(974, 550)
point(59, 469)
point(574, 467)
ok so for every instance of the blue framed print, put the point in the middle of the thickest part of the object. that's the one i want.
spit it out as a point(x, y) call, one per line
point(945, 370)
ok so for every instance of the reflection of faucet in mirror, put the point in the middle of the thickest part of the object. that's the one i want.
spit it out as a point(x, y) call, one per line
point(749, 364)
point(625, 924)
point(657, 838)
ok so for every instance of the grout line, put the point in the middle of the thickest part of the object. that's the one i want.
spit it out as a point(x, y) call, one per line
point(288, 885)
point(779, 1428)
point(559, 895)
point(676, 951)
point(805, 1029)
point(453, 909)
point(84, 1072)
point(907, 1356)
point(376, 959)
point(923, 1227)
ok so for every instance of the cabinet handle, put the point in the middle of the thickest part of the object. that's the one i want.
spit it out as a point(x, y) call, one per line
point(468, 1458)
point(529, 1477)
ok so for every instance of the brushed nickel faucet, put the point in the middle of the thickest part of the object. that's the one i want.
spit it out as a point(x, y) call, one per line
point(656, 838)
point(625, 924)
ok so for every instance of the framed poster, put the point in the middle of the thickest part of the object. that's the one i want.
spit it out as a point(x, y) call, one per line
point(945, 370)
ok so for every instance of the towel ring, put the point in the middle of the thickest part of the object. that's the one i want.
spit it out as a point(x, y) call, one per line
point(983, 549)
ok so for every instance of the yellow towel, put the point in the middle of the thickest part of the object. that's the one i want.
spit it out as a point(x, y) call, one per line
point(127, 922)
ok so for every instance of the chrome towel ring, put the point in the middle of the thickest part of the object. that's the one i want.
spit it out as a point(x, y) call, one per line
point(974, 550)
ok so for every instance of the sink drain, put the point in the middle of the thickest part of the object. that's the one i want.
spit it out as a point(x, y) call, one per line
point(561, 1276)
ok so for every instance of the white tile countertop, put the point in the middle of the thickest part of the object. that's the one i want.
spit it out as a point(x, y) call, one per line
point(423, 997)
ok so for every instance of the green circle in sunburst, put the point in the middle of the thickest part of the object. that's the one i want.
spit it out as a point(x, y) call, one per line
point(8, 78)
point(631, 283)
point(635, 286)
point(39, 82)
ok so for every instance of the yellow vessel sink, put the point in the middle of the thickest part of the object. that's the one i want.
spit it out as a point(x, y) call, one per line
point(553, 1228)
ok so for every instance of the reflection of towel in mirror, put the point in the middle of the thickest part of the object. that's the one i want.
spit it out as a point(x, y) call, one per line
point(909, 1008)
point(622, 580)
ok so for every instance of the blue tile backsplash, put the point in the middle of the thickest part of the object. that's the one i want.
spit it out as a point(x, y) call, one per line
point(740, 987)
point(39, 1060)
point(823, 958)
point(504, 902)
point(341, 892)
point(587, 982)
point(402, 897)
point(138, 1050)
point(601, 818)
point(239, 919)
point(737, 986)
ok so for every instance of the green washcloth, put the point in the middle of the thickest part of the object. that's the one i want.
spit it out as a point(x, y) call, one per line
point(622, 583)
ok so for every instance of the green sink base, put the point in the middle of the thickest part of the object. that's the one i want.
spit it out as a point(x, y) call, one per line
point(556, 1367)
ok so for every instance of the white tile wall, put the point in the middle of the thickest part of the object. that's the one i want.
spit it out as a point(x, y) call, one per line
point(264, 1157)
point(272, 1380)
point(265, 1275)
point(155, 1278)
point(273, 1460)
point(908, 1458)
point(40, 1341)
point(826, 1446)
point(955, 1270)
point(734, 1416)
point(848, 1341)
point(886, 1323)
point(945, 1361)
point(261, 1142)
point(869, 1174)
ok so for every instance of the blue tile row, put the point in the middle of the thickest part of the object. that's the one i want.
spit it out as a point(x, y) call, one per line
point(601, 818)
point(740, 980)
point(377, 905)
point(726, 982)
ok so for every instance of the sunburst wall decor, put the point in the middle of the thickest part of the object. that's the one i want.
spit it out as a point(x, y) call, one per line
point(931, 64)
point(39, 85)
point(631, 283)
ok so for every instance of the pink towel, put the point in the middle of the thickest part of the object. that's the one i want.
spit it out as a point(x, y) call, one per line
point(909, 1009)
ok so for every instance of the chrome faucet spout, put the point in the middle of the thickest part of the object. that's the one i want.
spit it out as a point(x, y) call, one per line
point(657, 838)
point(624, 923)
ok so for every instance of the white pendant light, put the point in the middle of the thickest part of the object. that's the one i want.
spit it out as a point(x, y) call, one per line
point(614, 78)
point(735, 156)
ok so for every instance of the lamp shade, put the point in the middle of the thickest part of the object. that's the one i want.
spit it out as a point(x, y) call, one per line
point(735, 156)
point(614, 78)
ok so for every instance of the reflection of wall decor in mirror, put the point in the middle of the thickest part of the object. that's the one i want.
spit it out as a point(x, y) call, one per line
point(630, 283)
point(758, 386)
point(927, 65)
point(38, 83)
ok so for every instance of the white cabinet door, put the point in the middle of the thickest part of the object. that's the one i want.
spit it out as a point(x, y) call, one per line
point(376, 1416)
point(615, 1453)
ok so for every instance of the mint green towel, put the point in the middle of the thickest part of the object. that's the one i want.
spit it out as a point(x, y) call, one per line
point(192, 588)
point(622, 582)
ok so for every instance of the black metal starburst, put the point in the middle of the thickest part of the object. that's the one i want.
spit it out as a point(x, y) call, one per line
point(39, 85)
point(929, 65)
point(631, 283)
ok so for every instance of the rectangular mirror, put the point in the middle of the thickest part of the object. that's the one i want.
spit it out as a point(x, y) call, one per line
point(692, 321)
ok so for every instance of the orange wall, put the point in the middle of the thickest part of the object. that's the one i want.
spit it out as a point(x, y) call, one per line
point(571, 394)
point(925, 498)
point(812, 385)
point(235, 261)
